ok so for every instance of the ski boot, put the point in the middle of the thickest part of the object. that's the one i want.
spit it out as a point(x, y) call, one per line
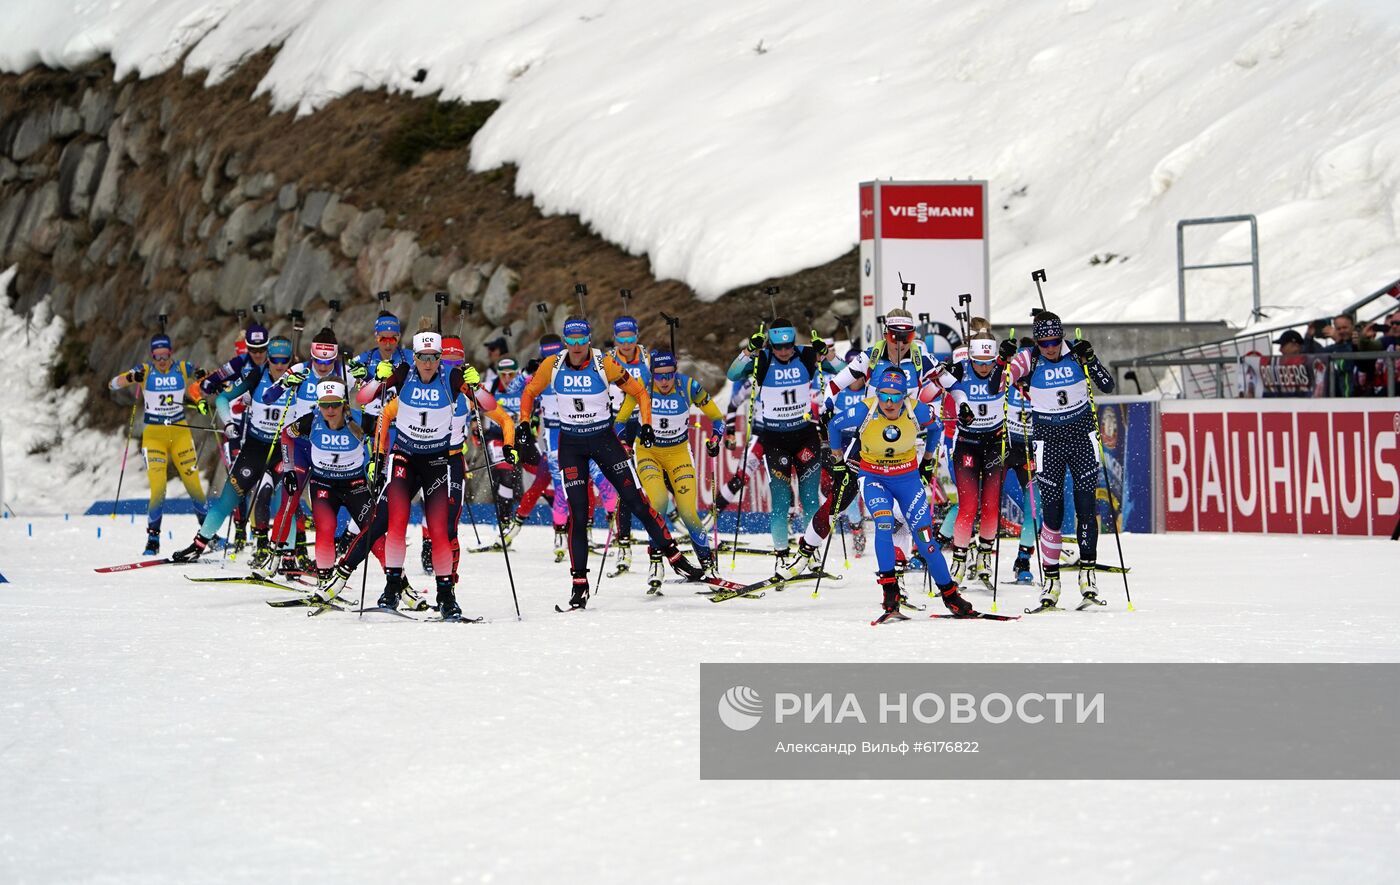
point(447, 599)
point(624, 557)
point(192, 552)
point(329, 582)
point(680, 565)
point(1050, 594)
point(954, 601)
point(804, 560)
point(152, 542)
point(240, 540)
point(708, 560)
point(1022, 566)
point(985, 565)
point(858, 539)
point(287, 564)
point(393, 586)
point(510, 528)
point(413, 601)
point(427, 556)
point(889, 607)
point(561, 544)
point(578, 596)
point(957, 568)
point(306, 564)
point(343, 542)
point(656, 573)
point(1088, 586)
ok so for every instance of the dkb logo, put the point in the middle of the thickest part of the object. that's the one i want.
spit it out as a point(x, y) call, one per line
point(740, 708)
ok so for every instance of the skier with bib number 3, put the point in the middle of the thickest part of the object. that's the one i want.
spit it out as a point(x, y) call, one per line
point(1064, 438)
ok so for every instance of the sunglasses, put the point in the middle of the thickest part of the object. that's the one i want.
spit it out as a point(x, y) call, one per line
point(626, 339)
point(1049, 342)
point(664, 376)
point(388, 339)
point(158, 357)
point(903, 336)
point(576, 340)
point(890, 397)
point(331, 403)
point(427, 357)
point(788, 346)
point(278, 361)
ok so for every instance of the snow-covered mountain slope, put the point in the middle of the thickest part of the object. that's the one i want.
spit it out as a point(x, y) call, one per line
point(725, 140)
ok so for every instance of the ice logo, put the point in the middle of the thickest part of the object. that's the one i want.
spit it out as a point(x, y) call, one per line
point(740, 708)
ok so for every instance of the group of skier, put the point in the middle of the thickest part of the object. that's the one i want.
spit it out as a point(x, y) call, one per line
point(367, 434)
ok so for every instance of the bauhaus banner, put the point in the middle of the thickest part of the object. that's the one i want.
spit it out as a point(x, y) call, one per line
point(1304, 467)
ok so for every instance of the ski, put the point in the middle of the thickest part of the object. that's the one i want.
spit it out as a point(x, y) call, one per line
point(904, 603)
point(1100, 567)
point(621, 570)
point(307, 602)
point(742, 550)
point(985, 616)
point(460, 619)
point(493, 547)
point(383, 611)
point(1030, 583)
point(1043, 608)
point(1088, 602)
point(572, 608)
point(147, 563)
point(248, 579)
point(889, 616)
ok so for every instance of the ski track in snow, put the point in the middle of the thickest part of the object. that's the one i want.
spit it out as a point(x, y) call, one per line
point(726, 141)
point(156, 730)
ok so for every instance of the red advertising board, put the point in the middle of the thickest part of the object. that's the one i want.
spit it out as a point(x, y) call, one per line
point(931, 212)
point(1305, 467)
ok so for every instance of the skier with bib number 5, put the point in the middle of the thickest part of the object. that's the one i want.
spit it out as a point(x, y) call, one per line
point(581, 378)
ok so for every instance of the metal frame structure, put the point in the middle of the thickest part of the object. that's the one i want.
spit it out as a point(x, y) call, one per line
point(1182, 267)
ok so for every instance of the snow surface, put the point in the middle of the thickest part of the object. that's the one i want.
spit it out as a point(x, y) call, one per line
point(51, 460)
point(156, 730)
point(725, 140)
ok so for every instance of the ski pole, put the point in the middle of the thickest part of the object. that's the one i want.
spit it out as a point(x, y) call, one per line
point(838, 495)
point(1001, 474)
point(130, 422)
point(374, 454)
point(505, 547)
point(1107, 484)
point(748, 442)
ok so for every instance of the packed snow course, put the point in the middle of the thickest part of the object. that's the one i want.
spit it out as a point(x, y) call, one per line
point(725, 140)
point(157, 730)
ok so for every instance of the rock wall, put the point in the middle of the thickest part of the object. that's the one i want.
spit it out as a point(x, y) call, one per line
point(120, 201)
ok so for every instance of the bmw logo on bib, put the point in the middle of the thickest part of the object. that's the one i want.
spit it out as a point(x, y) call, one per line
point(891, 433)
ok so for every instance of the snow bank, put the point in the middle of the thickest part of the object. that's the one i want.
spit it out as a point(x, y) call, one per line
point(52, 462)
point(725, 140)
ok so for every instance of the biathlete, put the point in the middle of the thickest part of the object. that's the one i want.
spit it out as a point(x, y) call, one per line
point(581, 378)
point(165, 439)
point(892, 432)
point(666, 463)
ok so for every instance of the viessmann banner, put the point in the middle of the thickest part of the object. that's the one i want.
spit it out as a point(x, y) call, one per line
point(1298, 467)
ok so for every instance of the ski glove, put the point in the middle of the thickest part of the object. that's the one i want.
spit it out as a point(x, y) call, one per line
point(470, 376)
point(510, 454)
point(1006, 350)
point(231, 430)
point(292, 379)
point(1083, 351)
point(369, 470)
point(358, 371)
point(384, 371)
point(965, 416)
point(819, 344)
point(202, 405)
point(524, 435)
point(926, 471)
point(756, 342)
point(647, 436)
point(136, 375)
point(840, 472)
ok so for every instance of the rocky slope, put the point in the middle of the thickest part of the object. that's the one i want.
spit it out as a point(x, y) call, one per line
point(120, 201)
